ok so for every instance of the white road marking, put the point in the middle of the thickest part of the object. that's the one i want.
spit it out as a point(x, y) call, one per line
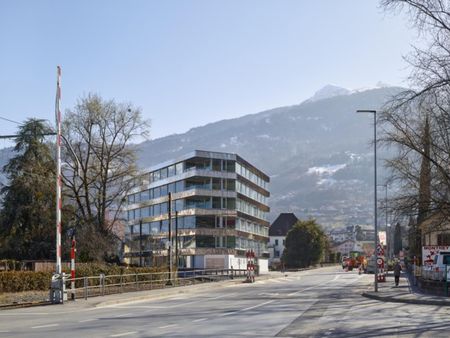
point(199, 320)
point(167, 326)
point(123, 334)
point(248, 308)
point(124, 314)
point(23, 313)
point(88, 320)
point(42, 326)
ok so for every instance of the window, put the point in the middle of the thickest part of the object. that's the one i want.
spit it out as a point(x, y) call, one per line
point(205, 242)
point(229, 166)
point(216, 165)
point(157, 192)
point(179, 186)
point(163, 173)
point(171, 188)
point(144, 195)
point(156, 175)
point(157, 209)
point(179, 205)
point(131, 199)
point(276, 254)
point(216, 184)
point(171, 171)
point(179, 168)
point(216, 203)
point(154, 227)
point(164, 208)
point(284, 242)
point(443, 239)
point(276, 242)
point(189, 222)
point(164, 225)
point(163, 190)
point(145, 212)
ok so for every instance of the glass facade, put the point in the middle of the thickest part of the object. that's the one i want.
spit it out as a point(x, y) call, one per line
point(205, 191)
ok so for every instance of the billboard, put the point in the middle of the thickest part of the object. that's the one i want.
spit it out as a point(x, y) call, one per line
point(429, 251)
point(382, 237)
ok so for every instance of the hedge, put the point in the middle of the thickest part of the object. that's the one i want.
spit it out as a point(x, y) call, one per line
point(16, 281)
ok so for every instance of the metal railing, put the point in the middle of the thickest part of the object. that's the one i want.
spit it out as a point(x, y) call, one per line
point(101, 285)
point(428, 272)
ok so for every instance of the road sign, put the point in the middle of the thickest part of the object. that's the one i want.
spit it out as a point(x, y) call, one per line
point(380, 250)
point(380, 261)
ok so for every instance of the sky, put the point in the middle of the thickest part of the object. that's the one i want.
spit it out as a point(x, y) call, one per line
point(187, 63)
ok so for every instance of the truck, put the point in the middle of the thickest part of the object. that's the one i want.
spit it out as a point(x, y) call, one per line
point(355, 260)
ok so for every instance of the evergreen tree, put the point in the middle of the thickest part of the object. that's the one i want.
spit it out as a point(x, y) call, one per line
point(28, 214)
point(305, 244)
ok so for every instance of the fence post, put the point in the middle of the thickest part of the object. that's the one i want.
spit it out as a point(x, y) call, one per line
point(102, 283)
point(121, 283)
point(136, 279)
point(85, 288)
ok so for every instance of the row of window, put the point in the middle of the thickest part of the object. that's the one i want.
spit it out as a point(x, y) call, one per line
point(199, 241)
point(249, 192)
point(197, 202)
point(250, 209)
point(248, 174)
point(183, 222)
point(156, 192)
point(254, 228)
point(248, 244)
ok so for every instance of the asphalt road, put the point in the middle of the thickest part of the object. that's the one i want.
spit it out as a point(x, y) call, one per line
point(315, 303)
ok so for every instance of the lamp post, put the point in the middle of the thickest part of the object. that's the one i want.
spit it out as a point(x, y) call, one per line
point(374, 112)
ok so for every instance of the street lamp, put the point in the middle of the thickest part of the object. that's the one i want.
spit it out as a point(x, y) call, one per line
point(374, 112)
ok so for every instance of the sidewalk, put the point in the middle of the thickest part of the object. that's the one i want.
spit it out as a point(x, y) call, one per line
point(404, 293)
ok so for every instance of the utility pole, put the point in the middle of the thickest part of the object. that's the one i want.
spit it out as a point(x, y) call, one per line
point(170, 240)
point(176, 238)
point(140, 242)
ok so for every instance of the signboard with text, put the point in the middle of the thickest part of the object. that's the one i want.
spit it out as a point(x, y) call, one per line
point(429, 251)
point(382, 237)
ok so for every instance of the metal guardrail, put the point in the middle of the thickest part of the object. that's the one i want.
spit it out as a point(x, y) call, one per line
point(101, 285)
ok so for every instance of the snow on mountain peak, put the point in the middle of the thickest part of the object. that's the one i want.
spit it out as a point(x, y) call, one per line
point(329, 91)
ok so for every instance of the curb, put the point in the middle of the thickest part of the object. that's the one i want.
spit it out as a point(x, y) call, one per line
point(406, 301)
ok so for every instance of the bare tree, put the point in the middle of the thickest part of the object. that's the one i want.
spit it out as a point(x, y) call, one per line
point(101, 133)
point(417, 121)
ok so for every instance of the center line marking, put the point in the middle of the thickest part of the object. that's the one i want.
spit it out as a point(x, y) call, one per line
point(42, 326)
point(123, 315)
point(167, 326)
point(248, 308)
point(199, 320)
point(87, 320)
point(123, 334)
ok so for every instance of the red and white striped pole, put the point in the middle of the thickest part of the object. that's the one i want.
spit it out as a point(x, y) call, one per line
point(58, 171)
point(72, 267)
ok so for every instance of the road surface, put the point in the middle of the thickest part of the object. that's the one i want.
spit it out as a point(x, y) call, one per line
point(315, 303)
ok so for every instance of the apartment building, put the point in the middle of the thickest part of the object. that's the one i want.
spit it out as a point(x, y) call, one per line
point(215, 204)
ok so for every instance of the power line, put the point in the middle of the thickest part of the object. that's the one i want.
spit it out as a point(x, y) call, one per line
point(4, 118)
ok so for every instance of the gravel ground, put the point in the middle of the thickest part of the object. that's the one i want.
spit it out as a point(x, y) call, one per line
point(23, 297)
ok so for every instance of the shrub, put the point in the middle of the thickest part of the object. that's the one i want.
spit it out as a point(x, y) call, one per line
point(16, 281)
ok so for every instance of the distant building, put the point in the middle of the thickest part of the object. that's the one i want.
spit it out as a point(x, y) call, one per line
point(339, 235)
point(218, 206)
point(344, 247)
point(277, 236)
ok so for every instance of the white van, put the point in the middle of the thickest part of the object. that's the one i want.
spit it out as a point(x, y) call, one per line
point(440, 261)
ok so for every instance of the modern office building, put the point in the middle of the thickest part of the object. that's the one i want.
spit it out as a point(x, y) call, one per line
point(219, 207)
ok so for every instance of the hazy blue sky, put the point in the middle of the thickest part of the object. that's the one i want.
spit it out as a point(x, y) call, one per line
point(187, 63)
